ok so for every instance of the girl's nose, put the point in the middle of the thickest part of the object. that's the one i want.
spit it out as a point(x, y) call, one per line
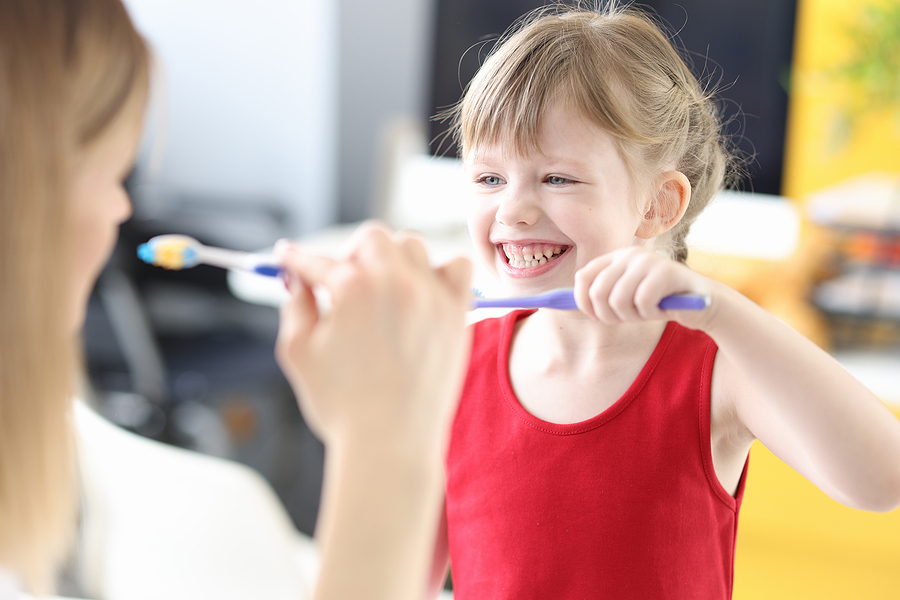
point(518, 207)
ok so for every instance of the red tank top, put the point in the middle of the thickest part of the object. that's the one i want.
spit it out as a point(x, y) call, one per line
point(623, 505)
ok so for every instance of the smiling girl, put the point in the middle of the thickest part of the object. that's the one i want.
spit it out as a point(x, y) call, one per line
point(602, 453)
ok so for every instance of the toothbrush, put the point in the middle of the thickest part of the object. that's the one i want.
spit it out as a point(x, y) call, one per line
point(176, 252)
point(564, 299)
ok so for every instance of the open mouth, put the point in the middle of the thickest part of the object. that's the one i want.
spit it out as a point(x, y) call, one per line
point(529, 256)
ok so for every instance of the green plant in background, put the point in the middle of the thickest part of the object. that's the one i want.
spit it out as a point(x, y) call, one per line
point(870, 77)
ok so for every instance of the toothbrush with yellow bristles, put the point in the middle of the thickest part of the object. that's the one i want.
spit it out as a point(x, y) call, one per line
point(177, 252)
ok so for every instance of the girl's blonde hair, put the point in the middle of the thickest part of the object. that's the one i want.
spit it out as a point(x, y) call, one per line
point(68, 71)
point(617, 68)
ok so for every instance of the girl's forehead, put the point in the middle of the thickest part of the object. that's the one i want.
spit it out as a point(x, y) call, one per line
point(504, 149)
point(561, 136)
point(513, 138)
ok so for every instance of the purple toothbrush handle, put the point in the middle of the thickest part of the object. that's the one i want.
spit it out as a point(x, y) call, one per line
point(564, 299)
point(684, 302)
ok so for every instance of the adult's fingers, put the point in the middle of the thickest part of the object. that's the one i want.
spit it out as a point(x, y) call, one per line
point(457, 275)
point(297, 318)
point(412, 247)
point(310, 268)
point(369, 240)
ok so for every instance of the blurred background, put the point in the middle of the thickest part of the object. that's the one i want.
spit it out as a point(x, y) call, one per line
point(286, 118)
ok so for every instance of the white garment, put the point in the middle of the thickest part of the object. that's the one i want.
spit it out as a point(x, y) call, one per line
point(9, 586)
point(163, 522)
point(11, 590)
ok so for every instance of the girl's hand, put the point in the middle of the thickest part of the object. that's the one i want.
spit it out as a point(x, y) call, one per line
point(627, 286)
point(387, 360)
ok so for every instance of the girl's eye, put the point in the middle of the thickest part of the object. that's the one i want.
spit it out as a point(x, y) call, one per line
point(489, 180)
point(557, 180)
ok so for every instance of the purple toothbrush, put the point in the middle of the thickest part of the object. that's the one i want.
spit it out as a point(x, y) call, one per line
point(564, 299)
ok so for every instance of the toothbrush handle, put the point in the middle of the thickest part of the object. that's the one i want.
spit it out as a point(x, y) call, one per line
point(261, 264)
point(267, 270)
point(684, 302)
point(564, 299)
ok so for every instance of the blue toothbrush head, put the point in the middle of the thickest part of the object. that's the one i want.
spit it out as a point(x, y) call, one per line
point(173, 252)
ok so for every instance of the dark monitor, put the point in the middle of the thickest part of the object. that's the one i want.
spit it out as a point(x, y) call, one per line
point(742, 46)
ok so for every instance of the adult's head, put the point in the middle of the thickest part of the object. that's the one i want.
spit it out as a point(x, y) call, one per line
point(74, 75)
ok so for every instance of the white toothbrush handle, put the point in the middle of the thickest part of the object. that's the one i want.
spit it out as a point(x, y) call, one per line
point(224, 258)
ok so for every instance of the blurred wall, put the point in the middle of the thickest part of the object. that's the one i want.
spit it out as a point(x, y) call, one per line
point(245, 107)
point(285, 99)
point(385, 78)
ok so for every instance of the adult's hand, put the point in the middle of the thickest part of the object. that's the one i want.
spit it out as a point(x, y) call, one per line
point(378, 376)
point(389, 352)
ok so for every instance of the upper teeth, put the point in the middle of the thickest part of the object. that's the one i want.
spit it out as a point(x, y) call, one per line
point(532, 257)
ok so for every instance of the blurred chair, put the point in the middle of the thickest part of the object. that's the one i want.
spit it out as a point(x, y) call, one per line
point(164, 522)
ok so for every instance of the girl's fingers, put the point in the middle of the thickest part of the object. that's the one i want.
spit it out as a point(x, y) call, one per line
point(624, 298)
point(626, 286)
point(584, 279)
point(602, 288)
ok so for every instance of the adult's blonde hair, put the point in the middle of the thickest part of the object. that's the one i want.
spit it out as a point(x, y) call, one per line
point(69, 69)
point(617, 68)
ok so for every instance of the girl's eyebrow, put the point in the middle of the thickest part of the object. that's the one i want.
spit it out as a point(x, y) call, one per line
point(484, 160)
point(567, 162)
point(479, 164)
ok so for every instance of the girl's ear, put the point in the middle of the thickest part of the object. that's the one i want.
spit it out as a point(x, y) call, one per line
point(673, 194)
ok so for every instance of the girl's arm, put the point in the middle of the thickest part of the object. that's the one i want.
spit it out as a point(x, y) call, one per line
point(780, 387)
point(377, 379)
point(804, 406)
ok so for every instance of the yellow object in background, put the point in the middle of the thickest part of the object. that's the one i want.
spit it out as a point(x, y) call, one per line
point(796, 543)
point(815, 158)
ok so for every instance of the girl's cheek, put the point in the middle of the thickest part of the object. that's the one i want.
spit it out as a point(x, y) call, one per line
point(476, 230)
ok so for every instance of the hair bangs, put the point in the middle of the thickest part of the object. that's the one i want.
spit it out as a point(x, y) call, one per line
point(508, 97)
